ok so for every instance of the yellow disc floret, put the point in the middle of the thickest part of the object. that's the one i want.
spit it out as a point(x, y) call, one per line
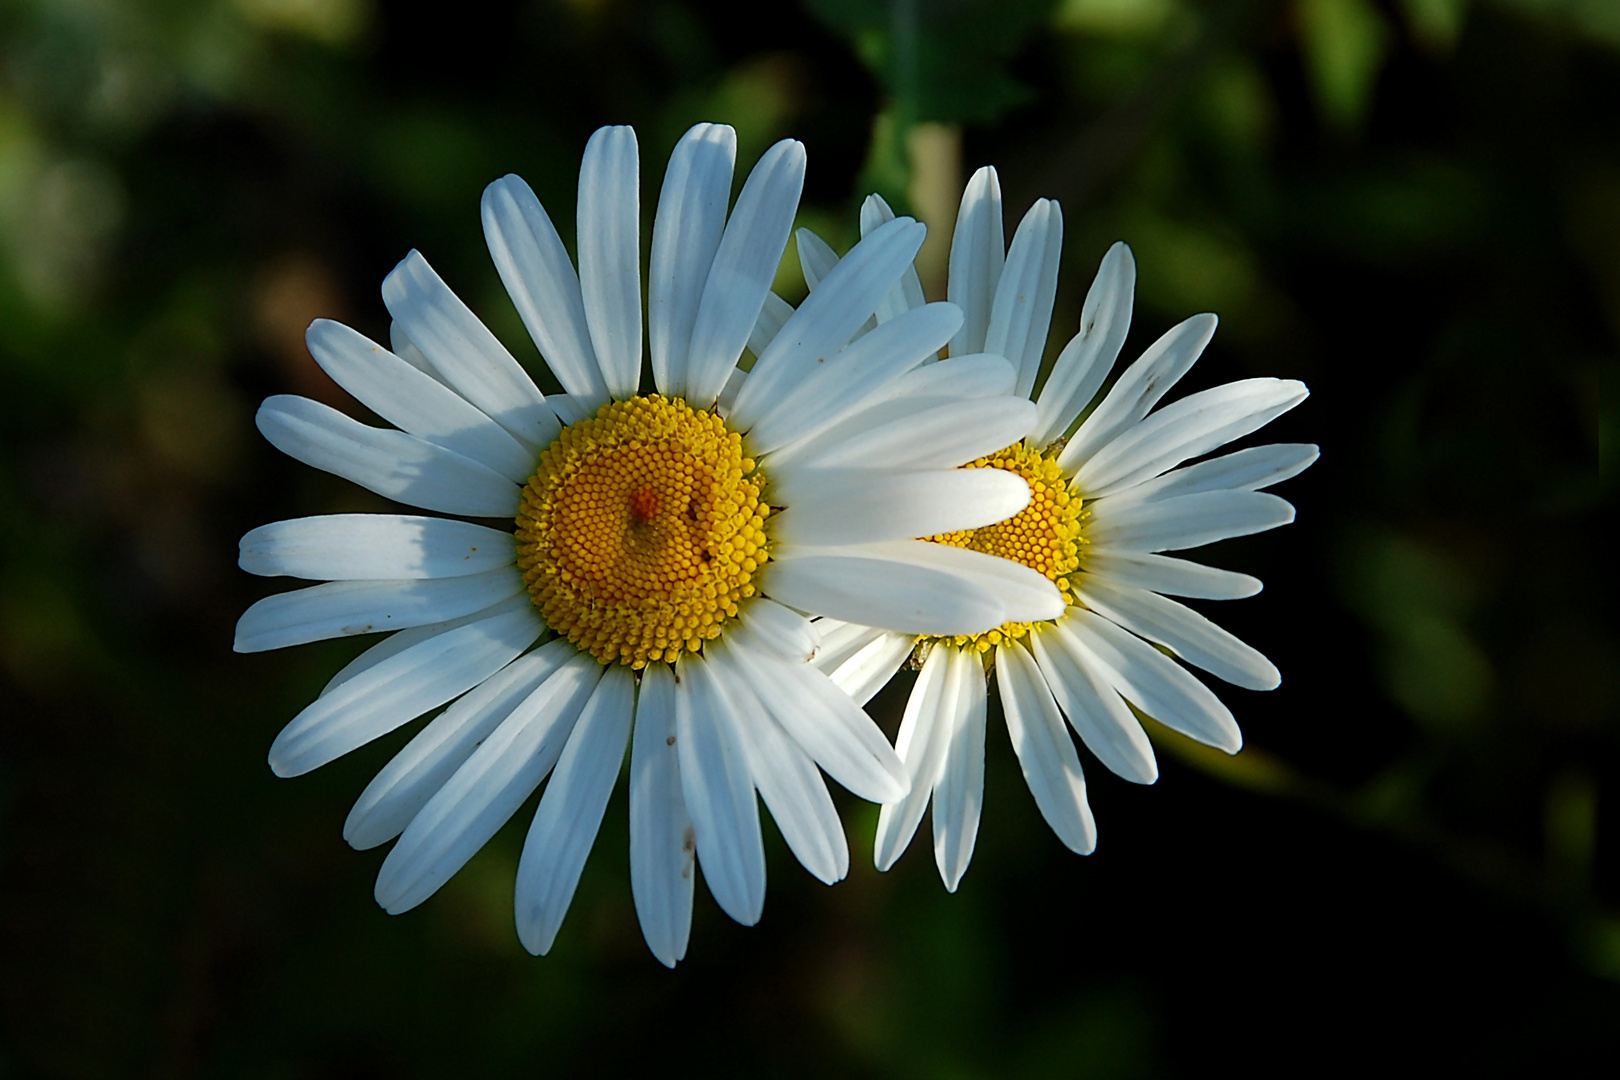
point(1045, 535)
point(641, 530)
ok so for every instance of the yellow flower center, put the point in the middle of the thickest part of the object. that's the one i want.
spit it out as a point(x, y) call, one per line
point(1045, 535)
point(641, 530)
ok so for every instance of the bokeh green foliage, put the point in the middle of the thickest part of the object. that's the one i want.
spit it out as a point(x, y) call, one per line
point(1413, 205)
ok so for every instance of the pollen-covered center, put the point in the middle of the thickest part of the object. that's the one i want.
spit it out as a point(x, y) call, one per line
point(1045, 535)
point(641, 530)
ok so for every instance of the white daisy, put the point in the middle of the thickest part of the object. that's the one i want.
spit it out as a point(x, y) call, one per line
point(1108, 500)
point(670, 540)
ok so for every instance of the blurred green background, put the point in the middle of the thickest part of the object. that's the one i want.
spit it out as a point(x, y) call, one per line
point(1414, 205)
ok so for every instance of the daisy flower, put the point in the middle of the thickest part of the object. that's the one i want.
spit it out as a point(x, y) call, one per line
point(668, 544)
point(1108, 500)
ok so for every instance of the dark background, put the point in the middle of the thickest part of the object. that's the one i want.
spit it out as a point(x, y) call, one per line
point(1414, 205)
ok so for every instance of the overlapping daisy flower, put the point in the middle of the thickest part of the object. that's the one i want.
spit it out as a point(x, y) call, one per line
point(1109, 500)
point(644, 563)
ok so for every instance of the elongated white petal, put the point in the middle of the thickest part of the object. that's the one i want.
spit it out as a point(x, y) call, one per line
point(571, 809)
point(609, 217)
point(1186, 429)
point(906, 296)
point(978, 251)
point(663, 846)
point(1244, 470)
point(816, 257)
point(414, 401)
point(1139, 389)
point(866, 670)
point(1163, 574)
point(538, 275)
point(848, 380)
point(1089, 356)
point(355, 547)
point(784, 632)
point(829, 317)
point(878, 590)
point(959, 792)
point(1045, 752)
point(1186, 521)
point(400, 689)
point(487, 789)
point(400, 640)
point(825, 723)
point(773, 315)
point(719, 792)
point(686, 234)
point(465, 353)
point(789, 782)
point(1153, 682)
point(851, 507)
point(913, 437)
point(415, 774)
point(924, 734)
point(391, 463)
point(1083, 688)
point(404, 348)
point(964, 377)
point(744, 267)
point(348, 608)
point(1022, 311)
point(1182, 630)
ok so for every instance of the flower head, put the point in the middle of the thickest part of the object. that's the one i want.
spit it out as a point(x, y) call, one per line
point(1107, 501)
point(672, 541)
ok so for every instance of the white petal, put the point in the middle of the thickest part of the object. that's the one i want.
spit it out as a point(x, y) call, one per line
point(1089, 356)
point(978, 251)
point(400, 689)
point(1187, 429)
point(850, 379)
point(1084, 689)
point(825, 723)
point(865, 670)
point(1182, 630)
point(828, 317)
point(404, 348)
point(964, 377)
point(924, 732)
point(355, 547)
point(906, 296)
point(784, 632)
point(571, 811)
point(1045, 751)
point(876, 589)
point(744, 267)
point(788, 781)
point(1022, 311)
point(719, 792)
point(959, 792)
point(852, 507)
point(662, 844)
point(1244, 470)
point(569, 409)
point(535, 269)
point(487, 789)
point(1153, 682)
point(413, 401)
point(401, 640)
point(1163, 574)
point(465, 353)
point(427, 762)
point(609, 218)
point(816, 257)
point(1186, 521)
point(347, 608)
point(941, 436)
point(772, 317)
point(391, 463)
point(686, 234)
point(1139, 389)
